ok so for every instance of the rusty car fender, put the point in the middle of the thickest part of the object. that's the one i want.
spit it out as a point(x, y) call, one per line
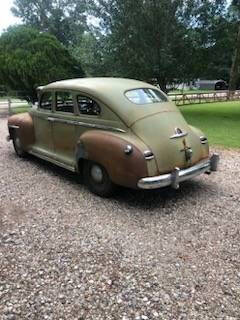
point(107, 149)
point(23, 124)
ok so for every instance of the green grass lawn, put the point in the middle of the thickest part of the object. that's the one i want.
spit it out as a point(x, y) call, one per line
point(5, 98)
point(219, 121)
point(20, 109)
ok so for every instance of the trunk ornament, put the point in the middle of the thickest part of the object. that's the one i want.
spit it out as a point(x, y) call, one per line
point(179, 134)
point(188, 151)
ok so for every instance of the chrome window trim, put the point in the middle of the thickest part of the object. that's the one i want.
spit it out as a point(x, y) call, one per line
point(84, 124)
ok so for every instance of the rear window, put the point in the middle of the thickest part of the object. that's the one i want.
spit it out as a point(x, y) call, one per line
point(145, 96)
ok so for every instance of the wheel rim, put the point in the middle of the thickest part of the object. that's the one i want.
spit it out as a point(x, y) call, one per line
point(97, 174)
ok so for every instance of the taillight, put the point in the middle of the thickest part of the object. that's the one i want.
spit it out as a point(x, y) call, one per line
point(203, 140)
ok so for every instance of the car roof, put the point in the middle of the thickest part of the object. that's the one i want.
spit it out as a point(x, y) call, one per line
point(110, 91)
point(95, 84)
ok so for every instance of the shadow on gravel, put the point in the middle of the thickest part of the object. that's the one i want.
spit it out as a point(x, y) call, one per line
point(160, 198)
point(144, 199)
point(53, 169)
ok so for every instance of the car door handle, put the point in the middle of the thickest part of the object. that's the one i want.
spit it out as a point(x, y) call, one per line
point(51, 119)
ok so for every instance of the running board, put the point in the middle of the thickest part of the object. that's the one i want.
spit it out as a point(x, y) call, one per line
point(56, 162)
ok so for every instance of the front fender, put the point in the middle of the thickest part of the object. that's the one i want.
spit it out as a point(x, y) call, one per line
point(23, 123)
point(107, 149)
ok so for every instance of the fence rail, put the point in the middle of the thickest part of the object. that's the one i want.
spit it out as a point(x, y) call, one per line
point(181, 99)
point(7, 105)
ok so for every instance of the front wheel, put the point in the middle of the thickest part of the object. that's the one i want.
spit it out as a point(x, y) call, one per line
point(97, 179)
point(17, 144)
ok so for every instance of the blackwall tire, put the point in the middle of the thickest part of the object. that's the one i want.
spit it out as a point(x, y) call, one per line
point(18, 146)
point(97, 179)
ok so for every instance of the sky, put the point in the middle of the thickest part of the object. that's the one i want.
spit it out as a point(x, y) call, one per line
point(6, 17)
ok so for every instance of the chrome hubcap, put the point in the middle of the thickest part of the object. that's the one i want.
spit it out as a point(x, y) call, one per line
point(96, 173)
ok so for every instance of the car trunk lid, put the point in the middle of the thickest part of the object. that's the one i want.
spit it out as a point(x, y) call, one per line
point(171, 140)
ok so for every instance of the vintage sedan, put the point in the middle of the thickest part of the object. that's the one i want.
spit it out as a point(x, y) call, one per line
point(113, 132)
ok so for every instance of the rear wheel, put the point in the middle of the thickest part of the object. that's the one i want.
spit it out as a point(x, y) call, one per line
point(17, 144)
point(97, 179)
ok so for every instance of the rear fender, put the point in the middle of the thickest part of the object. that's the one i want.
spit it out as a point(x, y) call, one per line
point(205, 146)
point(107, 149)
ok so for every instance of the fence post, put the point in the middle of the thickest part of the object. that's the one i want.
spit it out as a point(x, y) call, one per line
point(9, 106)
point(183, 99)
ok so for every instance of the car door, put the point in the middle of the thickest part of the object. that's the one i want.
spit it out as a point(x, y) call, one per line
point(42, 126)
point(64, 128)
point(93, 114)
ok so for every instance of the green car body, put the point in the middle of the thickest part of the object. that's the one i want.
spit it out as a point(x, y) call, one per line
point(114, 131)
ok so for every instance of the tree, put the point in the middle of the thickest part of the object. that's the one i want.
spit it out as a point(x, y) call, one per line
point(94, 51)
point(234, 73)
point(29, 58)
point(212, 37)
point(62, 18)
point(90, 51)
point(157, 39)
point(137, 37)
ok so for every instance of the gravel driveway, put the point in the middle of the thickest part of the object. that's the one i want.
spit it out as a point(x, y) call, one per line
point(68, 254)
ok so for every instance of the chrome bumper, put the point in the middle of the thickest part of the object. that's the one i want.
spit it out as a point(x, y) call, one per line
point(173, 179)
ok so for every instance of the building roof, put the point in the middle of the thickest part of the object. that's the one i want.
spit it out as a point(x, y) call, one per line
point(210, 81)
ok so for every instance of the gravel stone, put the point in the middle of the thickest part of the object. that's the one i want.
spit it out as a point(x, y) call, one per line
point(165, 254)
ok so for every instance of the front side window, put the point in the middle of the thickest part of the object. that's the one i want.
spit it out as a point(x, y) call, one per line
point(64, 102)
point(46, 101)
point(88, 106)
point(145, 96)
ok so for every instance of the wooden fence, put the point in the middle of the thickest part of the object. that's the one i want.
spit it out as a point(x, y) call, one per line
point(7, 105)
point(181, 99)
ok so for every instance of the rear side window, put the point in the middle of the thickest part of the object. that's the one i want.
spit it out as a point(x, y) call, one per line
point(88, 106)
point(46, 101)
point(64, 102)
point(145, 96)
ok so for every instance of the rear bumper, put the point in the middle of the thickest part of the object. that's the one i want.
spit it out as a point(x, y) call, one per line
point(174, 178)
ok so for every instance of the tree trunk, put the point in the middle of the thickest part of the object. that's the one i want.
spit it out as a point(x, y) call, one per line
point(162, 83)
point(234, 73)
